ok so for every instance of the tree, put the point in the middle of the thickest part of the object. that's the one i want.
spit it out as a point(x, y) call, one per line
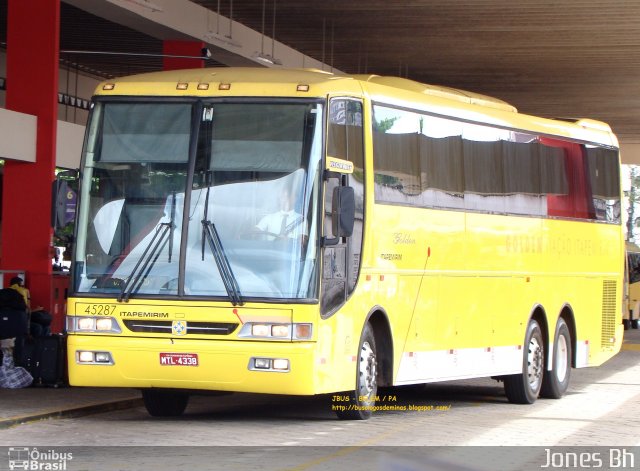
point(384, 124)
point(634, 197)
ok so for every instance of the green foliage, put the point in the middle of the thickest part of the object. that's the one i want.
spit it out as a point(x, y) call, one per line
point(633, 196)
point(384, 125)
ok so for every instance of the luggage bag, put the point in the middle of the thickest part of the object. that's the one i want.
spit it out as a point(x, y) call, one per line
point(46, 359)
point(13, 323)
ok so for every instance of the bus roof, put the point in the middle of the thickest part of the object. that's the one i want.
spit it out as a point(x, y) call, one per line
point(439, 91)
point(258, 81)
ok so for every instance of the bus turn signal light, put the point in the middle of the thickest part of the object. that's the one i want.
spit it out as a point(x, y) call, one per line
point(302, 332)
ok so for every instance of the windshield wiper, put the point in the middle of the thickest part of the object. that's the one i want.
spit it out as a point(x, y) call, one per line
point(147, 260)
point(150, 256)
point(210, 234)
point(172, 226)
point(222, 261)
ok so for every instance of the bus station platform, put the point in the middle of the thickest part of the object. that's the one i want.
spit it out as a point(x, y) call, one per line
point(31, 404)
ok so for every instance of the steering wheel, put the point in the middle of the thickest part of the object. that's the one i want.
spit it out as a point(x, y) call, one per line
point(257, 234)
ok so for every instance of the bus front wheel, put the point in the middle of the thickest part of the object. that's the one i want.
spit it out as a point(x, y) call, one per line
point(523, 388)
point(160, 403)
point(360, 402)
point(556, 381)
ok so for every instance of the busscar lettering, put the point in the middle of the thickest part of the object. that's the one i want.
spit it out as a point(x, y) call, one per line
point(341, 165)
point(144, 314)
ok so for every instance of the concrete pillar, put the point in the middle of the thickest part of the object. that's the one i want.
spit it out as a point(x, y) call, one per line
point(33, 32)
point(190, 50)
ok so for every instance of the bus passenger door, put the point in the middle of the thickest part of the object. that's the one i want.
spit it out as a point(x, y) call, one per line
point(344, 186)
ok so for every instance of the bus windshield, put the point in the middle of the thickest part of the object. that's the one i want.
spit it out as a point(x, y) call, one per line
point(200, 199)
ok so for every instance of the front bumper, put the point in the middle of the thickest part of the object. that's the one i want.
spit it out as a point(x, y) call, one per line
point(222, 365)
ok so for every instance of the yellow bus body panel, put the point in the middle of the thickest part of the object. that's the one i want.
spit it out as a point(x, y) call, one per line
point(486, 274)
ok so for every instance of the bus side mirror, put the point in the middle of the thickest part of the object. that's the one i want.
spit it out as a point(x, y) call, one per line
point(343, 214)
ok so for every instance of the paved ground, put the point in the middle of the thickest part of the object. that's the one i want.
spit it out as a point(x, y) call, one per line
point(601, 409)
point(37, 403)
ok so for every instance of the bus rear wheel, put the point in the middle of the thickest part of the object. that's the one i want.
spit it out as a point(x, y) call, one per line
point(523, 388)
point(361, 401)
point(556, 382)
point(161, 403)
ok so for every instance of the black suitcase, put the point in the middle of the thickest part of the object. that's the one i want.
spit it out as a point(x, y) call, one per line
point(13, 323)
point(46, 359)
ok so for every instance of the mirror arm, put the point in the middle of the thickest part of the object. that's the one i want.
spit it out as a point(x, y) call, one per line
point(329, 241)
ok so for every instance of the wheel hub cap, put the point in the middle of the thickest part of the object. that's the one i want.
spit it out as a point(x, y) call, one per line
point(367, 370)
point(535, 364)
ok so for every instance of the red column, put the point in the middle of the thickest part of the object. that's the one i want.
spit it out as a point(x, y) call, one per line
point(191, 50)
point(33, 31)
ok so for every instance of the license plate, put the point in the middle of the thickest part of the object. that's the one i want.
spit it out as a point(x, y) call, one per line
point(179, 359)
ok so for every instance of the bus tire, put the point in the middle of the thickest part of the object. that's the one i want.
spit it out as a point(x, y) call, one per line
point(523, 388)
point(160, 403)
point(556, 381)
point(360, 402)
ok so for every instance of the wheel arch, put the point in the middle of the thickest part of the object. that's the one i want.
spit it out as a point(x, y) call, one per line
point(566, 313)
point(539, 314)
point(379, 321)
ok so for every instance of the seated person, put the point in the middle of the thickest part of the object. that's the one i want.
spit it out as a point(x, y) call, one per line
point(284, 223)
point(39, 319)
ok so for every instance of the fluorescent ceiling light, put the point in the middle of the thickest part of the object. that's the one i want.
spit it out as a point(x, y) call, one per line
point(220, 38)
point(266, 59)
point(146, 4)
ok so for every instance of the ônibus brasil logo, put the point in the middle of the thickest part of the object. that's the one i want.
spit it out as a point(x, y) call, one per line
point(41, 460)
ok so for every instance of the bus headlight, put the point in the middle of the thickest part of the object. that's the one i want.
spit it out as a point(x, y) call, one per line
point(280, 331)
point(269, 364)
point(280, 364)
point(85, 357)
point(86, 323)
point(271, 330)
point(105, 324)
point(296, 331)
point(260, 330)
point(93, 324)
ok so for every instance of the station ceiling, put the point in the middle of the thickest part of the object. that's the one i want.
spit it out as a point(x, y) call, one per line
point(578, 58)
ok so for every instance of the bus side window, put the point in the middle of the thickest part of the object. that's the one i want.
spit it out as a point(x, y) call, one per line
point(341, 263)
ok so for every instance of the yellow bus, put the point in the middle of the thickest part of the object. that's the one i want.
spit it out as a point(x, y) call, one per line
point(299, 232)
